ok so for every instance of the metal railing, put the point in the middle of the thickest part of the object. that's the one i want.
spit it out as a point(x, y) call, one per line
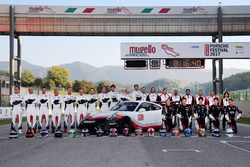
point(240, 95)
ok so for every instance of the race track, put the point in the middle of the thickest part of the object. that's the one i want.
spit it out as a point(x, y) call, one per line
point(126, 151)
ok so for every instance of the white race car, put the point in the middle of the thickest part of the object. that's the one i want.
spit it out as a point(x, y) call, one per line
point(127, 114)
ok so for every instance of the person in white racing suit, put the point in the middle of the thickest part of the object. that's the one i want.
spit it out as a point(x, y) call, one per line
point(104, 99)
point(69, 110)
point(165, 96)
point(144, 94)
point(30, 100)
point(43, 104)
point(136, 94)
point(200, 94)
point(153, 96)
point(125, 96)
point(92, 101)
point(81, 105)
point(189, 98)
point(115, 97)
point(16, 101)
point(56, 106)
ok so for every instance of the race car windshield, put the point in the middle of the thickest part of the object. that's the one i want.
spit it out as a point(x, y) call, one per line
point(125, 106)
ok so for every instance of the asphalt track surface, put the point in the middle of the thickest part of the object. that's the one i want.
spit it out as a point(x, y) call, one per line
point(126, 151)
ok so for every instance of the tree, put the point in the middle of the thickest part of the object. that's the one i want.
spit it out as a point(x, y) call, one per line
point(85, 85)
point(50, 84)
point(27, 78)
point(39, 82)
point(59, 75)
point(102, 84)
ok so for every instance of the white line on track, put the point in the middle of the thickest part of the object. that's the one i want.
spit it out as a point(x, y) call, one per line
point(182, 150)
point(239, 148)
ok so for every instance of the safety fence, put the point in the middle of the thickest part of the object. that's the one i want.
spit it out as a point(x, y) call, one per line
point(240, 95)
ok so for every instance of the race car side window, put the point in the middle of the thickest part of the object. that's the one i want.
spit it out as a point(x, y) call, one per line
point(154, 107)
point(125, 106)
point(145, 105)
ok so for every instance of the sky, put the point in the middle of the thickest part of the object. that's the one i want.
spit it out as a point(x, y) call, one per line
point(103, 51)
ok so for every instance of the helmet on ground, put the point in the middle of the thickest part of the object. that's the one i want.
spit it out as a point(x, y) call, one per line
point(58, 134)
point(139, 132)
point(125, 131)
point(188, 132)
point(85, 132)
point(202, 132)
point(151, 132)
point(163, 132)
point(44, 133)
point(113, 132)
point(30, 133)
point(175, 132)
point(13, 134)
point(229, 132)
point(216, 133)
point(72, 133)
point(99, 132)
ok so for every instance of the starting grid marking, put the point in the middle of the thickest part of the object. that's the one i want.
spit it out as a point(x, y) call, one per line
point(234, 146)
point(182, 150)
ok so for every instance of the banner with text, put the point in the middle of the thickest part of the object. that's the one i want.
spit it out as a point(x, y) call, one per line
point(231, 50)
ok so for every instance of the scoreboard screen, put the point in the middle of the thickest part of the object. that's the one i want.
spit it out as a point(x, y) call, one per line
point(135, 64)
point(185, 63)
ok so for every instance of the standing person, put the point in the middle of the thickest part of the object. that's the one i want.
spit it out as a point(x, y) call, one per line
point(16, 101)
point(200, 114)
point(125, 96)
point(92, 101)
point(210, 99)
point(185, 114)
point(31, 110)
point(81, 105)
point(200, 94)
point(169, 116)
point(104, 99)
point(224, 104)
point(176, 100)
point(136, 94)
point(144, 94)
point(189, 98)
point(56, 105)
point(165, 95)
point(114, 96)
point(43, 102)
point(232, 114)
point(69, 110)
point(214, 114)
point(153, 96)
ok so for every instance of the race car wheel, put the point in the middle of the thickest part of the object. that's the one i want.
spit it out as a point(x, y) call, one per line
point(126, 123)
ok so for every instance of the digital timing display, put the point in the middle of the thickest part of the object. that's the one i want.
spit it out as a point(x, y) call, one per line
point(185, 63)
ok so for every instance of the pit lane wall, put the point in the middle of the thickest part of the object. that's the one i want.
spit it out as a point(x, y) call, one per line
point(244, 106)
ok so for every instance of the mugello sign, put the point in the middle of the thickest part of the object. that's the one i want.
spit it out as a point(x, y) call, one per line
point(231, 50)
